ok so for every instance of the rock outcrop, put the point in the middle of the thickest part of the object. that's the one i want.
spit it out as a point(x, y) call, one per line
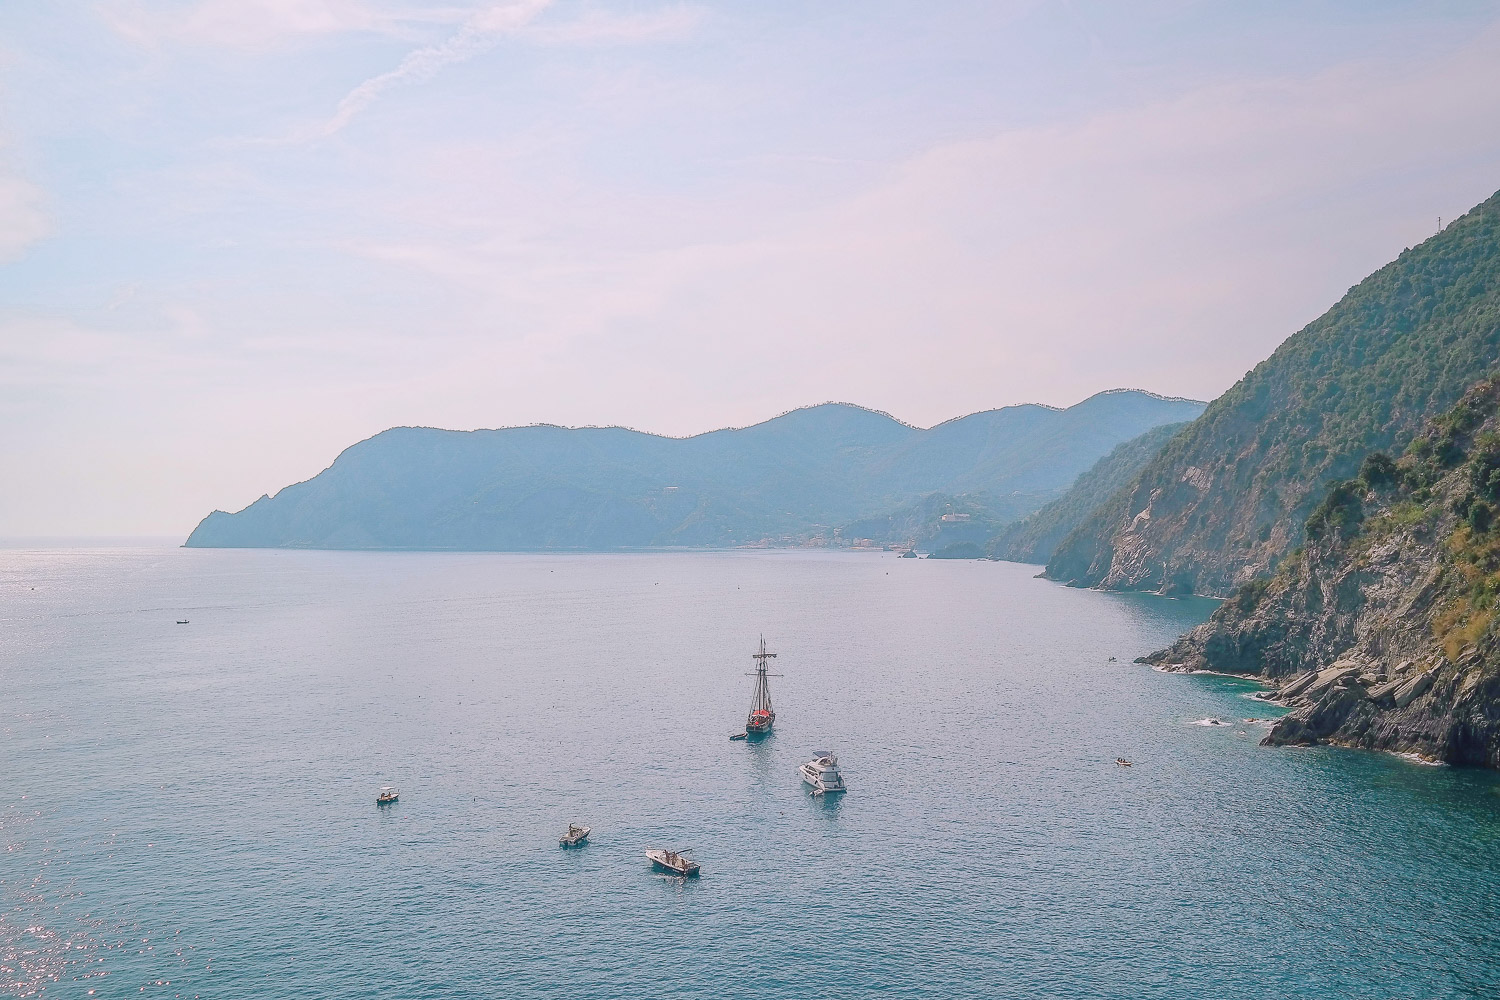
point(1380, 631)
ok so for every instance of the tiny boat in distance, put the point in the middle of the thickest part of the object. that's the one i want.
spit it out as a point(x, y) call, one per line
point(762, 716)
point(1122, 762)
point(675, 862)
point(387, 795)
point(822, 773)
point(575, 836)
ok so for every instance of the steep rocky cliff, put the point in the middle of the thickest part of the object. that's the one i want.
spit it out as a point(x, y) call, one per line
point(1227, 498)
point(1381, 630)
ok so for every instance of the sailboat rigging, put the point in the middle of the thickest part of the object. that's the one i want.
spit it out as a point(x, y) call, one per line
point(762, 716)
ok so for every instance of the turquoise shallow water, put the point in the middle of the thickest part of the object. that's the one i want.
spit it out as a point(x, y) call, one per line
point(189, 808)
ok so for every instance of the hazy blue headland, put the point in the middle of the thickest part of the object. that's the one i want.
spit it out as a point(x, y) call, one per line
point(809, 474)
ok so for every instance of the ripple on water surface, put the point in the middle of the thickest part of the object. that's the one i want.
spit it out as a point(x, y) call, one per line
point(191, 807)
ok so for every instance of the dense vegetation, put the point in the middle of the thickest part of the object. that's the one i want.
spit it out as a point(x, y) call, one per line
point(959, 550)
point(1226, 499)
point(812, 474)
point(1033, 539)
point(1398, 587)
point(1448, 481)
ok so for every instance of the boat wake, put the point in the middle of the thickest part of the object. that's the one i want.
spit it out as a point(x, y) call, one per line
point(1212, 720)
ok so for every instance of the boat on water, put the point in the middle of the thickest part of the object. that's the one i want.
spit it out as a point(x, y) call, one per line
point(575, 836)
point(762, 716)
point(387, 795)
point(1123, 762)
point(822, 773)
point(676, 862)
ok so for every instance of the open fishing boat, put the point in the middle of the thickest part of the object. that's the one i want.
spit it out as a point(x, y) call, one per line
point(387, 795)
point(675, 862)
point(576, 835)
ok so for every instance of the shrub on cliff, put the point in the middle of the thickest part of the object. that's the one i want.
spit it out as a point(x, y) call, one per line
point(1340, 512)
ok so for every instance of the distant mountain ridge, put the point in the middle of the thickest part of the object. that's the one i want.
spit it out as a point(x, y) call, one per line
point(796, 477)
point(1228, 498)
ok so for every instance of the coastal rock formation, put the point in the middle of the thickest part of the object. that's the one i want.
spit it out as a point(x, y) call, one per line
point(1381, 630)
point(1227, 498)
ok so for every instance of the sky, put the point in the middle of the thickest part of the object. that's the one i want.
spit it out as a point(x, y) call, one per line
point(237, 236)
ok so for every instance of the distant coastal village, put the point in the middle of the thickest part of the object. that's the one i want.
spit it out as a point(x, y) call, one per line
point(939, 538)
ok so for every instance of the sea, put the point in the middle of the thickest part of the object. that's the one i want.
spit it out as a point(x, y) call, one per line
point(191, 742)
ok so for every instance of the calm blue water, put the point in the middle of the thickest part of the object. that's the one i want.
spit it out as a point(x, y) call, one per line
point(189, 809)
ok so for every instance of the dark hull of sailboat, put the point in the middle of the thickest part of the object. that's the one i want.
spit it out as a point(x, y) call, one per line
point(759, 727)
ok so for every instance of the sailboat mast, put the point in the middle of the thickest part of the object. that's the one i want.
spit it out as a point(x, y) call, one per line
point(762, 701)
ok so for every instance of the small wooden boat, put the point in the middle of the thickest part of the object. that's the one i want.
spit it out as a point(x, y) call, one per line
point(740, 736)
point(182, 621)
point(1122, 762)
point(575, 836)
point(675, 862)
point(387, 795)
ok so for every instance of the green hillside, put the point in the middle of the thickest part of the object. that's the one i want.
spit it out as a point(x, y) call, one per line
point(1225, 500)
point(1033, 539)
point(1388, 613)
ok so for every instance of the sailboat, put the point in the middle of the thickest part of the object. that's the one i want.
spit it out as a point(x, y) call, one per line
point(762, 716)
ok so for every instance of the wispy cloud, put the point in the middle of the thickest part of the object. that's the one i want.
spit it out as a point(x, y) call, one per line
point(479, 34)
point(22, 218)
point(257, 25)
point(600, 27)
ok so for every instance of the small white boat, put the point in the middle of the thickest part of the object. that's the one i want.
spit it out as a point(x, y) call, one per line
point(822, 773)
point(676, 862)
point(575, 836)
point(387, 795)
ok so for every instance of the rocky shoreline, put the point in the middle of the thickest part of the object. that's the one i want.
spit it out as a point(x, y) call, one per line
point(1361, 706)
point(1381, 633)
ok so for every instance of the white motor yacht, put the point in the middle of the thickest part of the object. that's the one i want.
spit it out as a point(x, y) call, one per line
point(822, 773)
